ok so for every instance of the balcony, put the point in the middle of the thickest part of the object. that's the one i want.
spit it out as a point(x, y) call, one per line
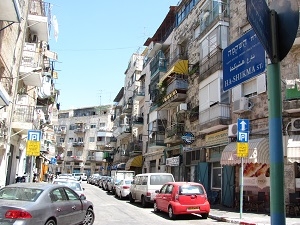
point(127, 107)
point(212, 13)
point(158, 65)
point(210, 64)
point(94, 159)
point(135, 148)
point(10, 10)
point(75, 158)
point(174, 133)
point(139, 93)
point(156, 141)
point(78, 144)
point(137, 120)
point(61, 145)
point(291, 103)
point(23, 118)
point(214, 118)
point(38, 17)
point(80, 128)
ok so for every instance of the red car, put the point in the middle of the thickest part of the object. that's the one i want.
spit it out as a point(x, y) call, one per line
point(177, 198)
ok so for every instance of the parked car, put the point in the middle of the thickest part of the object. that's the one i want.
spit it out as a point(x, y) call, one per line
point(123, 189)
point(38, 204)
point(144, 186)
point(104, 182)
point(80, 176)
point(177, 198)
point(94, 178)
point(101, 180)
point(75, 185)
point(66, 176)
point(111, 186)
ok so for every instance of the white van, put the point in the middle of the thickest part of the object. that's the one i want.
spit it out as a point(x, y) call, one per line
point(144, 186)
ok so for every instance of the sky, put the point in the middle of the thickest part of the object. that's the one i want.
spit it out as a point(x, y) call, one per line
point(94, 45)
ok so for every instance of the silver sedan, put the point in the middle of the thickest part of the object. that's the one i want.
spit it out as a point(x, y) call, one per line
point(43, 204)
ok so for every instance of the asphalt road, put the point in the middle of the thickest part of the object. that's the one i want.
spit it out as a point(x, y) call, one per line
point(112, 211)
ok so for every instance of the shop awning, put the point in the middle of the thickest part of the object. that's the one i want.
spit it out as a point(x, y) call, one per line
point(293, 149)
point(258, 153)
point(136, 161)
point(180, 67)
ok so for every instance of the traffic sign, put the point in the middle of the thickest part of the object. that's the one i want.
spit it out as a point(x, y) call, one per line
point(242, 149)
point(243, 125)
point(243, 60)
point(34, 135)
point(33, 148)
point(258, 14)
point(188, 138)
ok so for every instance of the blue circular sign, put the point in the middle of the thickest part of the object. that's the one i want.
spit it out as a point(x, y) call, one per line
point(188, 138)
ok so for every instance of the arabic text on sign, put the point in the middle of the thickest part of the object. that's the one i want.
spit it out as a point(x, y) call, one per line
point(33, 148)
point(242, 149)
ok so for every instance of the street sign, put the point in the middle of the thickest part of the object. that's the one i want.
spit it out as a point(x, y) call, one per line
point(243, 130)
point(188, 138)
point(242, 149)
point(258, 14)
point(33, 148)
point(33, 145)
point(243, 60)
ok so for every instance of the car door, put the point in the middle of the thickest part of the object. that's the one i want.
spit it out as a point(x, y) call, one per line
point(61, 207)
point(77, 212)
point(167, 196)
point(159, 197)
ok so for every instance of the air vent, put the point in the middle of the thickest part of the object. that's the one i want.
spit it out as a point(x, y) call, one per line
point(295, 124)
point(232, 130)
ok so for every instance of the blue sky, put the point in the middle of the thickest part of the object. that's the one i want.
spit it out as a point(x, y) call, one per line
point(95, 43)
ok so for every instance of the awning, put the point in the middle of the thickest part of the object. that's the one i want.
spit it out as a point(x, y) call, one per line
point(180, 67)
point(258, 153)
point(136, 161)
point(293, 149)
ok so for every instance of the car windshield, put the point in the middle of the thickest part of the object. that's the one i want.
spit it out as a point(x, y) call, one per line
point(191, 189)
point(20, 193)
point(160, 179)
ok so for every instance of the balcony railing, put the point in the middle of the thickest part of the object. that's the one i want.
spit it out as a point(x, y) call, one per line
point(158, 63)
point(210, 64)
point(175, 129)
point(23, 114)
point(139, 93)
point(78, 144)
point(137, 120)
point(218, 111)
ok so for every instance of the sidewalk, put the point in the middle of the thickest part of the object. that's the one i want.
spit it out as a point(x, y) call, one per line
point(222, 213)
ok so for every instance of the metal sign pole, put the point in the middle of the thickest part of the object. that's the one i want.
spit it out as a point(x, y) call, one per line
point(241, 187)
point(31, 170)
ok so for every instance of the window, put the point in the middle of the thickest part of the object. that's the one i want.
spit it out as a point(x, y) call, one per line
point(71, 140)
point(71, 195)
point(216, 175)
point(191, 189)
point(61, 140)
point(92, 139)
point(93, 126)
point(69, 153)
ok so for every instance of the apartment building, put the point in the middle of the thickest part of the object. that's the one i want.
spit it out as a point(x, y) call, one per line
point(84, 141)
point(28, 94)
point(190, 121)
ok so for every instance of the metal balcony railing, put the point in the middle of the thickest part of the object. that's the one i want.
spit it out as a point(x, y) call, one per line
point(218, 111)
point(175, 129)
point(23, 113)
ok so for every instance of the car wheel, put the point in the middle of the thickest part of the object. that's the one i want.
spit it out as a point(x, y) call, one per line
point(155, 209)
point(89, 217)
point(171, 214)
point(131, 199)
point(144, 202)
point(50, 222)
point(204, 215)
point(120, 196)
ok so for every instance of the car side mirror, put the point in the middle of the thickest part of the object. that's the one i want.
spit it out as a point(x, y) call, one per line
point(82, 197)
point(157, 191)
point(83, 188)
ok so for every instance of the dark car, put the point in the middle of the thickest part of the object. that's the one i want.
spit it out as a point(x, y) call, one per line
point(177, 198)
point(43, 204)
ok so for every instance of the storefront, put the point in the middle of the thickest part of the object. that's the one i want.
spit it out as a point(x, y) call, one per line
point(256, 174)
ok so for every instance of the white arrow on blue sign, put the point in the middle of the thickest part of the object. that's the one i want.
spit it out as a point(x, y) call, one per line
point(243, 130)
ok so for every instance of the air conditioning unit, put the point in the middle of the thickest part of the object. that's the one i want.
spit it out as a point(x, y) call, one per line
point(232, 130)
point(295, 123)
point(241, 105)
point(182, 107)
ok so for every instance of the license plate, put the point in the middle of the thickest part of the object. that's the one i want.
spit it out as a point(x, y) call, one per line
point(192, 208)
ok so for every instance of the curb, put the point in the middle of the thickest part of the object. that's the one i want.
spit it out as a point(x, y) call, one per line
point(222, 219)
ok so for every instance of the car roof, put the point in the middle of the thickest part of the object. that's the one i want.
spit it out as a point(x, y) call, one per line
point(180, 183)
point(43, 186)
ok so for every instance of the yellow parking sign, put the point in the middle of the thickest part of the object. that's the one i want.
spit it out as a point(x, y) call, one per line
point(242, 149)
point(33, 148)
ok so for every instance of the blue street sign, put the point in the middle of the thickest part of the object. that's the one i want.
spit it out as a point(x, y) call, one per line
point(243, 130)
point(34, 135)
point(258, 15)
point(242, 60)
